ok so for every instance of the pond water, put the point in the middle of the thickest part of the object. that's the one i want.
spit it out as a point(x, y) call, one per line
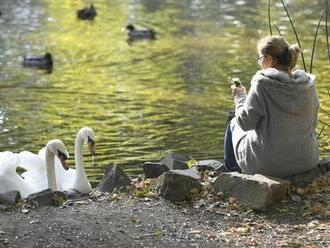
point(144, 98)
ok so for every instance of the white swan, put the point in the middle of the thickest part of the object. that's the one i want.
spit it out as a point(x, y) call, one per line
point(76, 178)
point(9, 179)
point(33, 180)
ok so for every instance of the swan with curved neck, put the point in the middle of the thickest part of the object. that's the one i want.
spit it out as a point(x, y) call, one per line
point(76, 179)
point(34, 179)
point(54, 147)
point(81, 182)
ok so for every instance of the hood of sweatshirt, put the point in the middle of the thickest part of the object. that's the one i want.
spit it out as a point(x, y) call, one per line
point(292, 94)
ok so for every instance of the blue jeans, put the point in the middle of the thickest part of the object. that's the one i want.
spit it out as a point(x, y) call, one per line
point(230, 160)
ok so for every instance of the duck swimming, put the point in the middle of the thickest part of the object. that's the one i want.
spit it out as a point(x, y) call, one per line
point(135, 34)
point(42, 62)
point(87, 13)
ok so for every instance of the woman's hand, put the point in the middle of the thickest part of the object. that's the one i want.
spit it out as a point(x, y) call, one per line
point(237, 90)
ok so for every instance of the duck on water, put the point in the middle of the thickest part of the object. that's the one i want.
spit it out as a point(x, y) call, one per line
point(42, 62)
point(87, 13)
point(136, 34)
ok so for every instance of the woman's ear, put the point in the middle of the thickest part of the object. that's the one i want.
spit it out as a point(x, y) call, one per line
point(272, 61)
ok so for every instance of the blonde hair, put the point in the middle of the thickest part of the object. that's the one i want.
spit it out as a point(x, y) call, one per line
point(277, 47)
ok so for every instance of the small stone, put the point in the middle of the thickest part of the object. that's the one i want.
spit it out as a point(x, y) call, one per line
point(300, 191)
point(24, 211)
point(210, 165)
point(305, 178)
point(296, 198)
point(34, 222)
point(242, 230)
point(313, 224)
point(324, 165)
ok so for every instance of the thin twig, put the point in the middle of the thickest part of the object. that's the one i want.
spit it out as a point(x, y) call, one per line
point(314, 42)
point(269, 21)
point(294, 30)
point(278, 30)
point(324, 123)
point(326, 29)
point(318, 136)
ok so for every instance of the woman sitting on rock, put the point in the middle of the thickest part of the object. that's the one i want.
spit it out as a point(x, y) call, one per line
point(274, 129)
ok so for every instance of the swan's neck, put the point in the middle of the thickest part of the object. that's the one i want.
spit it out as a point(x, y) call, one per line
point(79, 159)
point(50, 166)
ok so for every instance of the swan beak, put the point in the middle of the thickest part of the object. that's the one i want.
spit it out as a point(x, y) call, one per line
point(91, 145)
point(64, 163)
point(91, 148)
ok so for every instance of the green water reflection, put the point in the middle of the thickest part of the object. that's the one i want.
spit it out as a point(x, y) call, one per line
point(145, 98)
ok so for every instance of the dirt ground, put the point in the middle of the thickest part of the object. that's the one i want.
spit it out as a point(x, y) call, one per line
point(124, 220)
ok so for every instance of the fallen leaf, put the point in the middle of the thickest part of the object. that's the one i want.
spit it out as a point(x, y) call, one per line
point(242, 230)
point(134, 219)
point(159, 233)
point(24, 211)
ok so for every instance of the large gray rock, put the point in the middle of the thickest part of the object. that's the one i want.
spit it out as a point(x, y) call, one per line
point(10, 198)
point(114, 177)
point(255, 191)
point(46, 197)
point(154, 169)
point(73, 194)
point(175, 161)
point(179, 185)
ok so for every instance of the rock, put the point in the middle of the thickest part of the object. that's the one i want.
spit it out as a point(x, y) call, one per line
point(324, 165)
point(113, 177)
point(175, 161)
point(10, 198)
point(255, 191)
point(74, 194)
point(46, 197)
point(179, 185)
point(307, 177)
point(153, 170)
point(211, 165)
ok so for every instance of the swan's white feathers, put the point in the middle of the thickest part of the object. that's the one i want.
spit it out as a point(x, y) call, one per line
point(9, 179)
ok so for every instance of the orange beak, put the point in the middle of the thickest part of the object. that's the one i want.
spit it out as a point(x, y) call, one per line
point(64, 163)
point(91, 148)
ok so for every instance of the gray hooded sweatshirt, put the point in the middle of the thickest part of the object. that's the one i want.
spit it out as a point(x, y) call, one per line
point(275, 123)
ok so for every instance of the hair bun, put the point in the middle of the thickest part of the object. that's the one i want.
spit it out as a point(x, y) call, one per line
point(294, 51)
point(294, 48)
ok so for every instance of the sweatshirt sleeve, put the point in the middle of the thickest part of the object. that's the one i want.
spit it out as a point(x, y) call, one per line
point(249, 109)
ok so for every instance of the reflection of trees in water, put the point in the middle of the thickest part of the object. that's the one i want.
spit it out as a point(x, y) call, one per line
point(19, 18)
point(213, 16)
point(192, 71)
point(19, 12)
point(224, 12)
point(152, 6)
